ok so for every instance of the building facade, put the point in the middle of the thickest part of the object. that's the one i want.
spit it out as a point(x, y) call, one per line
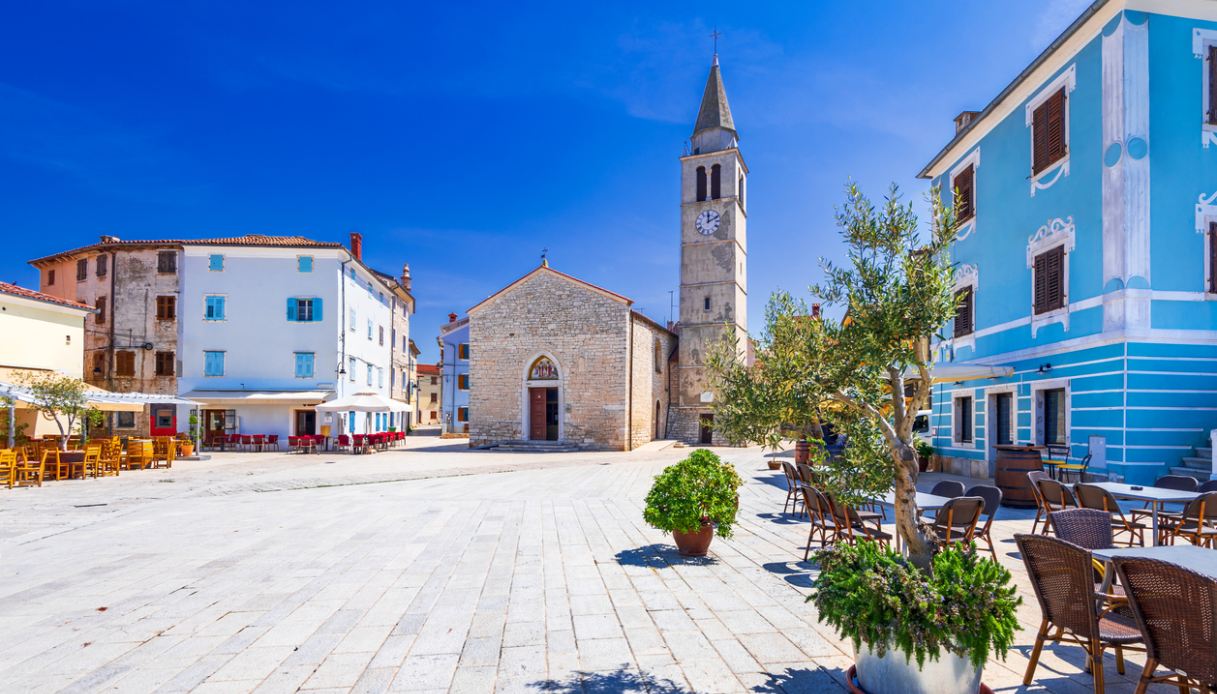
point(454, 379)
point(1085, 264)
point(401, 374)
point(430, 397)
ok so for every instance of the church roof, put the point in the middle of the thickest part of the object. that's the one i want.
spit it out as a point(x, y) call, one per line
point(545, 268)
point(714, 111)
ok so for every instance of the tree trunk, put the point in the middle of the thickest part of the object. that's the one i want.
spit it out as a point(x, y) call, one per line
point(916, 543)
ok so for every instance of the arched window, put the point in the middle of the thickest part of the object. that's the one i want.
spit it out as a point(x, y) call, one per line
point(716, 182)
point(543, 369)
point(740, 192)
point(658, 356)
point(701, 183)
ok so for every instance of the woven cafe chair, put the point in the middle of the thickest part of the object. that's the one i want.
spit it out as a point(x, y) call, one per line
point(992, 497)
point(1195, 524)
point(1179, 483)
point(1176, 611)
point(1209, 486)
point(1057, 496)
point(1041, 508)
point(852, 524)
point(948, 488)
point(820, 512)
point(1060, 573)
point(1088, 528)
point(956, 520)
point(1092, 496)
point(792, 485)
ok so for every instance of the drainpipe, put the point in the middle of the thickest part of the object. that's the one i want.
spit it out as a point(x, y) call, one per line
point(629, 385)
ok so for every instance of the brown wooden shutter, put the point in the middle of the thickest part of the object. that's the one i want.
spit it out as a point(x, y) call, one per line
point(963, 312)
point(1050, 280)
point(964, 185)
point(1212, 257)
point(1056, 126)
point(1212, 105)
point(1048, 132)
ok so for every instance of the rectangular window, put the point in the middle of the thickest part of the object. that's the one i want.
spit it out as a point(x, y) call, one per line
point(434, 380)
point(963, 420)
point(124, 363)
point(706, 303)
point(304, 364)
point(352, 320)
point(213, 363)
point(1048, 144)
point(215, 262)
point(462, 414)
point(380, 377)
point(462, 382)
point(462, 350)
point(433, 398)
point(214, 307)
point(166, 262)
point(1054, 433)
point(82, 269)
point(164, 363)
point(369, 374)
point(369, 328)
point(100, 304)
point(1211, 111)
point(965, 194)
point(381, 328)
point(1049, 280)
point(304, 263)
point(124, 420)
point(351, 369)
point(963, 312)
point(166, 308)
point(103, 265)
point(302, 310)
point(50, 278)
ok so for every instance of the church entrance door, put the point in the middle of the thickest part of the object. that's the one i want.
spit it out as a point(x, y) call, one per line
point(543, 414)
point(705, 433)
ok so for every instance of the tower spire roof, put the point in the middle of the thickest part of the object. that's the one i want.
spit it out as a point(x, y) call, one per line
point(714, 111)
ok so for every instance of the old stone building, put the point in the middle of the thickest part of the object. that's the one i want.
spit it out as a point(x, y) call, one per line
point(557, 359)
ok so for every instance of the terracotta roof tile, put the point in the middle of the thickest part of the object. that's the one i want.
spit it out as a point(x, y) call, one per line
point(428, 369)
point(263, 240)
point(23, 293)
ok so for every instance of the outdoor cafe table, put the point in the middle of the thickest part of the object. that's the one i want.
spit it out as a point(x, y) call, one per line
point(1198, 559)
point(924, 501)
point(1156, 496)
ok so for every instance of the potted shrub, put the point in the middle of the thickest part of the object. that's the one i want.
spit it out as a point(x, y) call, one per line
point(912, 630)
point(185, 445)
point(925, 453)
point(693, 499)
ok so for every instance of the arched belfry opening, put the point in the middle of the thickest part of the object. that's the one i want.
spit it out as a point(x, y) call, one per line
point(543, 400)
point(701, 183)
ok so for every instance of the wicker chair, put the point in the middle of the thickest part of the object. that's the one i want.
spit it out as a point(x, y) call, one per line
point(956, 520)
point(1057, 497)
point(1209, 486)
point(948, 488)
point(792, 485)
point(992, 497)
point(1060, 573)
point(1098, 498)
point(820, 512)
point(1195, 524)
point(1041, 508)
point(1088, 528)
point(1176, 611)
point(851, 524)
point(1181, 483)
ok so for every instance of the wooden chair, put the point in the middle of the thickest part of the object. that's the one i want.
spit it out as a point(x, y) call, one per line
point(29, 471)
point(1091, 496)
point(92, 461)
point(820, 512)
point(956, 520)
point(8, 467)
point(850, 524)
point(793, 484)
point(1176, 612)
point(139, 454)
point(992, 497)
point(52, 464)
point(1060, 573)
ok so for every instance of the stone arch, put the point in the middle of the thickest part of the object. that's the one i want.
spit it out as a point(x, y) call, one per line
point(542, 371)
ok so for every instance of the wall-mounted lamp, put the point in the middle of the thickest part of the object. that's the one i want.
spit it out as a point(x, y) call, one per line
point(1045, 368)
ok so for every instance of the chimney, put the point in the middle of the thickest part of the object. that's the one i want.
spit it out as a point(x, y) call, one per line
point(405, 276)
point(964, 119)
point(451, 317)
point(106, 238)
point(357, 245)
point(815, 310)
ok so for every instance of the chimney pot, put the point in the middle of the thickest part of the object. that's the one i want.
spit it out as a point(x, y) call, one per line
point(451, 317)
point(357, 245)
point(964, 119)
point(405, 276)
point(107, 238)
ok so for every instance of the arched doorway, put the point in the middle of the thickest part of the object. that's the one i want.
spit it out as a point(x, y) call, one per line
point(543, 400)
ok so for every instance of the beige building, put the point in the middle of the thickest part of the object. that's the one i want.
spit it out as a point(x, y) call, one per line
point(430, 397)
point(557, 359)
point(401, 373)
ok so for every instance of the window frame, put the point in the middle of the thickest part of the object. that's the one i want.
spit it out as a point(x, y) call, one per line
point(308, 358)
point(161, 265)
point(1039, 390)
point(958, 422)
point(119, 424)
point(966, 307)
point(161, 356)
point(304, 263)
point(101, 266)
point(462, 351)
point(1057, 232)
point(121, 356)
point(82, 269)
point(222, 360)
point(1064, 84)
point(462, 381)
point(50, 277)
point(223, 303)
point(169, 300)
point(211, 262)
point(100, 305)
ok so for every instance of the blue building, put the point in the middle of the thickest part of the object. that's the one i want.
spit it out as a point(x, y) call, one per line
point(1086, 264)
point(454, 367)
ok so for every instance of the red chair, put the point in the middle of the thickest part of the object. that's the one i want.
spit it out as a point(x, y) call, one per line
point(247, 442)
point(344, 441)
point(272, 440)
point(293, 443)
point(234, 442)
point(259, 442)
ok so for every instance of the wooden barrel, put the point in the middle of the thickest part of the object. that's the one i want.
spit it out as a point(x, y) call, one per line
point(1013, 464)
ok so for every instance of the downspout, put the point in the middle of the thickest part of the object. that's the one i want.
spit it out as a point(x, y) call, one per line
point(629, 385)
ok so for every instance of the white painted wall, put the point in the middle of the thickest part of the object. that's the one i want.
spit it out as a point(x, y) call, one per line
point(41, 336)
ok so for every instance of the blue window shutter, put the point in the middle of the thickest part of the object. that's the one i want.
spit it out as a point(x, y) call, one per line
point(316, 310)
point(220, 311)
point(291, 309)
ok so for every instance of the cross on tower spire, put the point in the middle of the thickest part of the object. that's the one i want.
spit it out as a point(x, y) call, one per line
point(714, 35)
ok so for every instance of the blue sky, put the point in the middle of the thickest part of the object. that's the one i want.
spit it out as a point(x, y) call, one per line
point(465, 137)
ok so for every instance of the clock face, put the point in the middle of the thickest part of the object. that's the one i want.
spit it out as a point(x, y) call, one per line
point(707, 222)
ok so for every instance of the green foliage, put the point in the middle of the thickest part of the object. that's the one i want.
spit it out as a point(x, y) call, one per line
point(61, 399)
point(965, 605)
point(924, 449)
point(697, 489)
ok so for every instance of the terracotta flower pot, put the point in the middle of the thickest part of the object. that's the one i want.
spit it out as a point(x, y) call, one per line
point(695, 544)
point(775, 465)
point(802, 452)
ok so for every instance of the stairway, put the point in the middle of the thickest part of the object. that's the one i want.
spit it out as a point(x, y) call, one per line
point(537, 446)
point(1198, 465)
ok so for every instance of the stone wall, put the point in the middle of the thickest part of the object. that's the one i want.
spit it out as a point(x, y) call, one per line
point(649, 394)
point(585, 332)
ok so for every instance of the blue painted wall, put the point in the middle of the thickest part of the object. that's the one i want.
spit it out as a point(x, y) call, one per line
point(452, 367)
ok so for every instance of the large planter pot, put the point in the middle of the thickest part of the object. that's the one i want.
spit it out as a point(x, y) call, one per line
point(891, 673)
point(802, 452)
point(775, 465)
point(694, 544)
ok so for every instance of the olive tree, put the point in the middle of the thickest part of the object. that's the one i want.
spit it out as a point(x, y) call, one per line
point(61, 399)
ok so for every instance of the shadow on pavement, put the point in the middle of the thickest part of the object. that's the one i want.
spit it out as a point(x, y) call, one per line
point(619, 680)
point(659, 557)
point(796, 573)
point(798, 680)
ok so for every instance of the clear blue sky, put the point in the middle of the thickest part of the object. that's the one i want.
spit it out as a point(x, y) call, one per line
point(465, 137)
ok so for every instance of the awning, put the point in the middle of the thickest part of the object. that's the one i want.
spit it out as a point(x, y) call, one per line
point(99, 399)
point(259, 397)
point(364, 402)
point(952, 373)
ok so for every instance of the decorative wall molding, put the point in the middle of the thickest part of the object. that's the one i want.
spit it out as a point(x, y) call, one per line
point(1206, 211)
point(1201, 40)
point(1050, 235)
point(1068, 79)
point(967, 275)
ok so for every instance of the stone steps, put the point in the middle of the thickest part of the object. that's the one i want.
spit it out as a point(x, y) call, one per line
point(1200, 475)
point(1198, 463)
point(538, 447)
point(1204, 452)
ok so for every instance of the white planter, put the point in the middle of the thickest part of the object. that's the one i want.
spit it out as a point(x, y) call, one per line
point(892, 674)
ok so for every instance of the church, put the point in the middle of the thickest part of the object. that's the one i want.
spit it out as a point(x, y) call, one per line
point(559, 363)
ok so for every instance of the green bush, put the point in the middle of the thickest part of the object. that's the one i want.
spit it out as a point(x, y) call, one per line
point(874, 596)
point(699, 488)
point(924, 449)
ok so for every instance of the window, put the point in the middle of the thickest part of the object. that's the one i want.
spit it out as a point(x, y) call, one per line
point(380, 377)
point(462, 414)
point(963, 312)
point(369, 374)
point(304, 364)
point(50, 278)
point(1053, 432)
point(381, 328)
point(434, 380)
point(82, 269)
point(124, 363)
point(433, 398)
point(716, 182)
point(701, 183)
point(1049, 280)
point(304, 263)
point(166, 308)
point(214, 307)
point(351, 369)
point(215, 262)
point(164, 363)
point(1211, 82)
point(103, 265)
point(739, 192)
point(166, 262)
point(369, 328)
point(462, 350)
point(352, 316)
point(213, 363)
point(658, 358)
point(705, 303)
point(124, 420)
point(100, 304)
point(965, 194)
point(1048, 145)
point(301, 310)
point(963, 420)
point(462, 382)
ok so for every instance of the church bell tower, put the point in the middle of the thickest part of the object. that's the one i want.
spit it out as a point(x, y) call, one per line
point(713, 257)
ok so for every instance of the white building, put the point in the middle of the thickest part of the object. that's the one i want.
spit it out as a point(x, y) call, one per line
point(270, 330)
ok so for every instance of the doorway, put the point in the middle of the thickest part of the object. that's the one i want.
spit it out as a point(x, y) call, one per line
point(306, 422)
point(543, 414)
point(213, 424)
point(163, 420)
point(1000, 423)
point(705, 429)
